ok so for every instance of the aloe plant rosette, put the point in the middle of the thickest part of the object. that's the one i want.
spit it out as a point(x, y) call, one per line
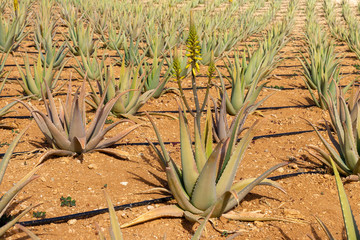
point(129, 86)
point(345, 119)
point(204, 186)
point(65, 128)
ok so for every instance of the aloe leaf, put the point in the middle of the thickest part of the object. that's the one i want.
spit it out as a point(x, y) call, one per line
point(200, 154)
point(352, 231)
point(255, 216)
point(189, 168)
point(179, 192)
point(201, 228)
point(165, 211)
point(229, 168)
point(77, 129)
point(204, 193)
point(5, 160)
point(326, 230)
point(11, 223)
point(10, 194)
point(237, 187)
point(27, 231)
point(331, 150)
point(115, 230)
point(58, 137)
point(240, 195)
point(113, 140)
point(54, 152)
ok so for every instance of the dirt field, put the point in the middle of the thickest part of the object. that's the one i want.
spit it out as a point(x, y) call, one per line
point(128, 181)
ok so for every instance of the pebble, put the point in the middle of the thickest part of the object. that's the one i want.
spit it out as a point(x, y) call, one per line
point(92, 166)
point(124, 183)
point(72, 221)
point(280, 170)
point(150, 207)
point(258, 224)
point(293, 166)
point(43, 179)
point(327, 176)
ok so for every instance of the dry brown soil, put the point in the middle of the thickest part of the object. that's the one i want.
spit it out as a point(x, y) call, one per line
point(127, 181)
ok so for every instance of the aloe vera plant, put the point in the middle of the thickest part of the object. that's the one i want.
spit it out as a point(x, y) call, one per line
point(114, 40)
point(204, 187)
point(90, 67)
point(156, 43)
point(131, 54)
point(33, 83)
point(345, 120)
point(65, 128)
point(322, 70)
point(245, 87)
point(11, 34)
point(153, 74)
point(7, 197)
point(129, 86)
point(352, 231)
point(45, 25)
point(52, 54)
point(82, 38)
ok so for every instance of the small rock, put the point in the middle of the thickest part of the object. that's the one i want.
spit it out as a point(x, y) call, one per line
point(43, 179)
point(124, 183)
point(92, 166)
point(72, 221)
point(293, 166)
point(327, 176)
point(280, 170)
point(150, 207)
point(258, 224)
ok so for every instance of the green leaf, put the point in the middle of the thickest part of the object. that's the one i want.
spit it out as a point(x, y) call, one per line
point(352, 231)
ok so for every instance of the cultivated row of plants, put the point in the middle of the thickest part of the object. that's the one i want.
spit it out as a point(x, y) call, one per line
point(203, 185)
point(321, 64)
point(67, 130)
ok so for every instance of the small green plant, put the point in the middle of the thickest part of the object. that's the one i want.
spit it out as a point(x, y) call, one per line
point(39, 214)
point(357, 66)
point(276, 87)
point(4, 144)
point(67, 202)
point(109, 121)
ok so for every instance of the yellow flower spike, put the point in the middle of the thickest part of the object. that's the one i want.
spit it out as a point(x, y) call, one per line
point(16, 6)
